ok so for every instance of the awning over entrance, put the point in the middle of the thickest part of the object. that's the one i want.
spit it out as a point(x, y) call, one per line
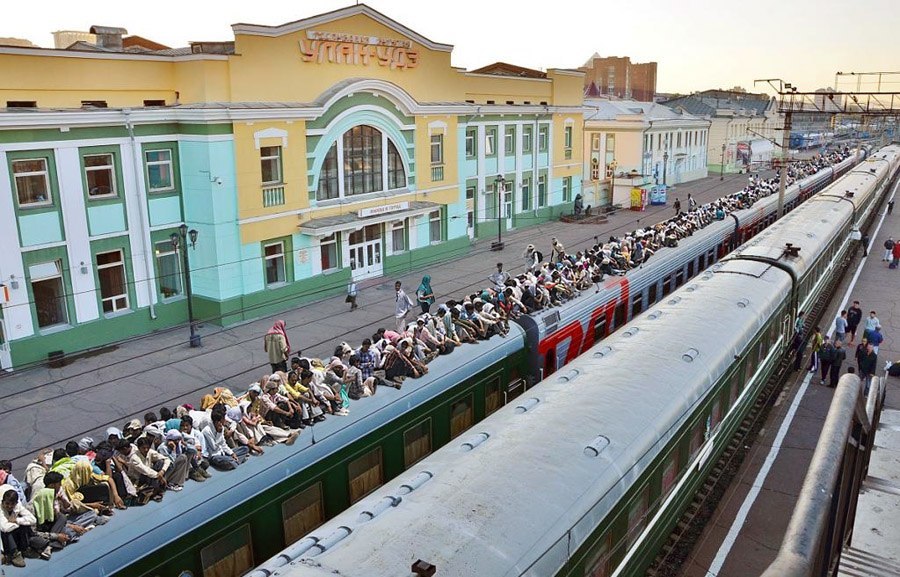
point(358, 219)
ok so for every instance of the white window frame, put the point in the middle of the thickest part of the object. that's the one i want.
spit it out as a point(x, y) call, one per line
point(57, 264)
point(471, 139)
point(278, 164)
point(567, 189)
point(267, 258)
point(45, 173)
point(490, 142)
point(437, 149)
point(471, 191)
point(543, 137)
point(168, 163)
point(542, 190)
point(161, 253)
point(526, 195)
point(509, 140)
point(527, 138)
point(113, 298)
point(331, 239)
point(398, 226)
point(111, 167)
point(567, 138)
point(435, 216)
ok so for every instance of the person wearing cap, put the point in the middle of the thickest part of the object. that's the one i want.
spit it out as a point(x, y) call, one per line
point(173, 448)
point(272, 408)
point(147, 467)
point(132, 430)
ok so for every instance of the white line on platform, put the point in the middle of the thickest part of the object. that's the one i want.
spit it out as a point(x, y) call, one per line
point(741, 518)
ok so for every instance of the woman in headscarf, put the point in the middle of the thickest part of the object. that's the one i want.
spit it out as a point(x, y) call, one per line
point(94, 491)
point(425, 294)
point(278, 346)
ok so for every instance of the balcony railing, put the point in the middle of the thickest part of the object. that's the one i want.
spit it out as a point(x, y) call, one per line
point(437, 173)
point(273, 195)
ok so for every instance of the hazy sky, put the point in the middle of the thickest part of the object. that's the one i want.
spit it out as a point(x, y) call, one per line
point(698, 44)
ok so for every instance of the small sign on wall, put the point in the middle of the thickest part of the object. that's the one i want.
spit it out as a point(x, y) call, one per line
point(303, 256)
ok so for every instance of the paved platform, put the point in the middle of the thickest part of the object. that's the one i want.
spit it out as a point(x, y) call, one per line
point(747, 529)
point(45, 407)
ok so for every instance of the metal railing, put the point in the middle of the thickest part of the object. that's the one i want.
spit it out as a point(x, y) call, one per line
point(437, 173)
point(273, 195)
point(822, 522)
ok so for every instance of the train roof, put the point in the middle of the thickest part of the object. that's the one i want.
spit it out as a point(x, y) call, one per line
point(133, 533)
point(554, 458)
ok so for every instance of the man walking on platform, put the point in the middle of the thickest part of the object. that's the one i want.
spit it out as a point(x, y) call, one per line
point(888, 248)
point(839, 356)
point(854, 316)
point(404, 304)
point(826, 357)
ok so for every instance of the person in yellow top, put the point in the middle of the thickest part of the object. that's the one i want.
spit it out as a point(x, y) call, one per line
point(816, 341)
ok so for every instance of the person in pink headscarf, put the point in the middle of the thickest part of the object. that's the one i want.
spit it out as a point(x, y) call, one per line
point(278, 346)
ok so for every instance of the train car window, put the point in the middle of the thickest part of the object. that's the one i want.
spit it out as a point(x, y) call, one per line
point(748, 371)
point(637, 515)
point(462, 416)
point(302, 513)
point(550, 362)
point(651, 294)
point(598, 564)
point(493, 396)
point(670, 473)
point(366, 474)
point(734, 389)
point(701, 262)
point(229, 555)
point(761, 351)
point(711, 257)
point(716, 413)
point(417, 440)
point(620, 315)
point(679, 278)
point(667, 285)
point(690, 269)
point(697, 437)
point(637, 305)
point(513, 390)
point(599, 327)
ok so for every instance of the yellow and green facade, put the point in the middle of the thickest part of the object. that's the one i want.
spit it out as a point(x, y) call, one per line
point(342, 146)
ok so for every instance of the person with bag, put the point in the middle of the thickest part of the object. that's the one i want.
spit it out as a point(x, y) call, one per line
point(425, 294)
point(277, 345)
point(352, 291)
point(888, 249)
point(826, 357)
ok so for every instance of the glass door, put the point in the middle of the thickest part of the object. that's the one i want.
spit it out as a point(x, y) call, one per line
point(365, 252)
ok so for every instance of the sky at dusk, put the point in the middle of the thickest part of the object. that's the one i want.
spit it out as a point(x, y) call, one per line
point(699, 44)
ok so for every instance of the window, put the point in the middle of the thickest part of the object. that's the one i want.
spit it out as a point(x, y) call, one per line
point(526, 193)
point(99, 170)
point(416, 443)
point(437, 149)
point(670, 473)
point(598, 566)
point(49, 294)
point(366, 474)
point(113, 289)
point(471, 140)
point(398, 236)
point(32, 181)
point(160, 175)
point(470, 192)
point(542, 190)
point(328, 252)
point(168, 269)
point(229, 555)
point(434, 226)
point(274, 263)
point(361, 170)
point(637, 515)
point(697, 438)
point(461, 416)
point(567, 189)
point(527, 137)
point(595, 142)
point(599, 327)
point(610, 143)
point(490, 142)
point(543, 133)
point(493, 396)
point(567, 141)
point(302, 513)
point(509, 140)
point(270, 164)
point(637, 304)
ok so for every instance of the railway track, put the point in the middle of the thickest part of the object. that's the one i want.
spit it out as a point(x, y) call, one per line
point(676, 552)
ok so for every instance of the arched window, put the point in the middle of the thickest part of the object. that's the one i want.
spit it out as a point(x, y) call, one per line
point(371, 163)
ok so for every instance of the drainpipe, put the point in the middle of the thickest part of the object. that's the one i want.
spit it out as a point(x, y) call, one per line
point(649, 149)
point(142, 209)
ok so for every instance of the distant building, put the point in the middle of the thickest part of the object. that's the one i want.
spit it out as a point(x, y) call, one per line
point(743, 126)
point(20, 42)
point(618, 76)
point(630, 144)
point(65, 38)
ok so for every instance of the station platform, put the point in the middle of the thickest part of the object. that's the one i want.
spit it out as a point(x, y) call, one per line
point(747, 529)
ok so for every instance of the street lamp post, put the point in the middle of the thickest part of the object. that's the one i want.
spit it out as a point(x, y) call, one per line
point(722, 164)
point(499, 187)
point(179, 241)
point(665, 165)
point(612, 181)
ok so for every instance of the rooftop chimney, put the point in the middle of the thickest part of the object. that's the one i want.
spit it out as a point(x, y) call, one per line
point(109, 37)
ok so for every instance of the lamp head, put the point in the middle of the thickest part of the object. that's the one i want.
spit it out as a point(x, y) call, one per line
point(192, 235)
point(175, 240)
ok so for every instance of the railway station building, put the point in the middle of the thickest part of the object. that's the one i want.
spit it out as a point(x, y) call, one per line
point(278, 166)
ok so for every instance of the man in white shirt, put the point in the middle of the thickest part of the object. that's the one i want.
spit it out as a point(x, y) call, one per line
point(404, 304)
point(499, 278)
point(16, 528)
point(220, 455)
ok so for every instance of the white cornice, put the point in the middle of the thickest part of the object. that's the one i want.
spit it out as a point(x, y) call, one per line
point(54, 53)
point(505, 77)
point(297, 25)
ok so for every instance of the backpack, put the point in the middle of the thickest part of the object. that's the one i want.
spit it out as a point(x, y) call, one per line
point(827, 353)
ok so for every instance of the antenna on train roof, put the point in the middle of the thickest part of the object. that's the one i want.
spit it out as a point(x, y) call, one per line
point(791, 250)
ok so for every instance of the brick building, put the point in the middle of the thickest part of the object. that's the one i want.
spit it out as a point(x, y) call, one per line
point(619, 76)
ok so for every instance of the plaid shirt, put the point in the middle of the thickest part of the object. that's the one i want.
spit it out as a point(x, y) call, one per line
point(366, 363)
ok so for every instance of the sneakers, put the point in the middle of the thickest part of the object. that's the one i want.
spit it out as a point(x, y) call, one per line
point(343, 412)
point(46, 553)
point(17, 560)
point(291, 438)
point(196, 475)
point(205, 473)
point(175, 488)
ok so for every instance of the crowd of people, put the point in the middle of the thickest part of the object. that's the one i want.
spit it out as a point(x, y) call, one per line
point(70, 490)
